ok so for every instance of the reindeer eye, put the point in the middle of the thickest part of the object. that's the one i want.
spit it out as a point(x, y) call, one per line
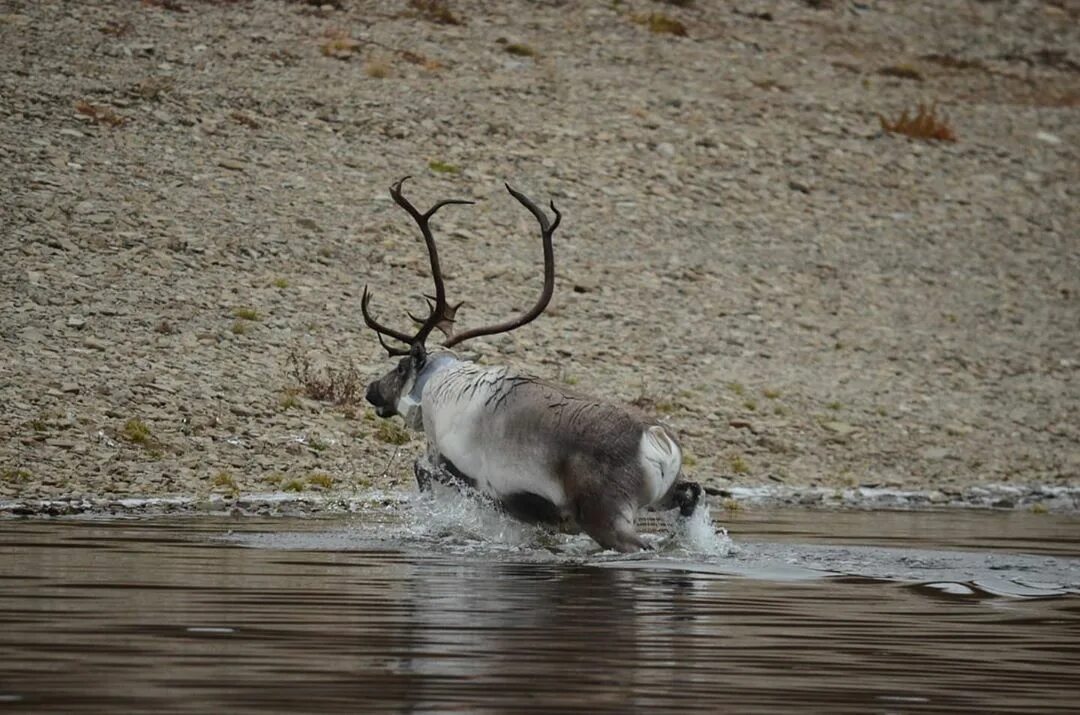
point(400, 369)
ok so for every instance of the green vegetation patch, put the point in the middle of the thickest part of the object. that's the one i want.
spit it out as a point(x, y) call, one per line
point(390, 433)
point(441, 167)
point(137, 432)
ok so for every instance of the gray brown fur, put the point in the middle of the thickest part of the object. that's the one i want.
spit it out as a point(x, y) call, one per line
point(590, 448)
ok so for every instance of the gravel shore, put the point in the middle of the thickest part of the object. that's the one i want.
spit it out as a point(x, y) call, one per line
point(194, 193)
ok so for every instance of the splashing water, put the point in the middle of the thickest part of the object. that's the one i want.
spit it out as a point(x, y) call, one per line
point(699, 535)
point(460, 522)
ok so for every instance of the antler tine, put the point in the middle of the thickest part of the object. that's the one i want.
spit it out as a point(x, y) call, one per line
point(547, 229)
point(379, 328)
point(438, 312)
point(393, 352)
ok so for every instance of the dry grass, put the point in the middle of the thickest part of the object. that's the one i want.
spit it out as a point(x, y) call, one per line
point(954, 63)
point(377, 68)
point(519, 49)
point(244, 119)
point(660, 24)
point(437, 11)
point(340, 386)
point(172, 5)
point(339, 45)
point(320, 481)
point(136, 432)
point(925, 124)
point(901, 72)
point(390, 433)
point(101, 115)
point(116, 28)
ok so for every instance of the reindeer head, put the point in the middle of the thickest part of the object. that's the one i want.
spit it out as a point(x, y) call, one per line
point(399, 391)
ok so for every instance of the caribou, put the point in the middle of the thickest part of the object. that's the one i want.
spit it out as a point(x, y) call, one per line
point(540, 451)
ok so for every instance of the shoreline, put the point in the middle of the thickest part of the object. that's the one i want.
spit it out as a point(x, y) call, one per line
point(1037, 499)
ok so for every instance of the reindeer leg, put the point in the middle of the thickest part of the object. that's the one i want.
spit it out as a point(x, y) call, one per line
point(443, 472)
point(424, 473)
point(609, 525)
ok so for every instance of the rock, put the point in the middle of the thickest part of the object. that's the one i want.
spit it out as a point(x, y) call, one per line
point(94, 343)
point(935, 453)
point(842, 429)
point(584, 286)
point(666, 150)
point(69, 387)
point(76, 321)
point(799, 186)
point(232, 164)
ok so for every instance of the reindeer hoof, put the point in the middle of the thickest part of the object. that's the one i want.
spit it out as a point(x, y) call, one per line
point(687, 496)
point(423, 475)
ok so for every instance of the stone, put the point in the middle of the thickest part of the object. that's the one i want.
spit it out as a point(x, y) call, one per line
point(666, 150)
point(842, 429)
point(935, 453)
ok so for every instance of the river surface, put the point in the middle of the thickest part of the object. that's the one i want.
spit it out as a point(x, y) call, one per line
point(425, 610)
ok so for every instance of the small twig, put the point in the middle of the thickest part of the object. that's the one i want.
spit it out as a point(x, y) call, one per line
point(386, 470)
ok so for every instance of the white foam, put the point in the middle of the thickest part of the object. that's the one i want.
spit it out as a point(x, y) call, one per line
point(459, 522)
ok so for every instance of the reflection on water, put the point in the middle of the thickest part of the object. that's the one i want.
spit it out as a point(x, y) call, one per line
point(169, 616)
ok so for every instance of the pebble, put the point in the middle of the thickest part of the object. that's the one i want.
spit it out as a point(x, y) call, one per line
point(666, 149)
point(94, 343)
point(232, 164)
point(935, 453)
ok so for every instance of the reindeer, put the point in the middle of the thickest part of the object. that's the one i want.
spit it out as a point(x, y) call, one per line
point(543, 453)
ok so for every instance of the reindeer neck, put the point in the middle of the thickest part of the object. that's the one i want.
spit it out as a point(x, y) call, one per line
point(435, 364)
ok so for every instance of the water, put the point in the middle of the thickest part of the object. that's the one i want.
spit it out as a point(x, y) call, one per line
point(444, 609)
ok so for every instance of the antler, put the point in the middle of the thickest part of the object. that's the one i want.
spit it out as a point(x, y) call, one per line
point(441, 314)
point(546, 231)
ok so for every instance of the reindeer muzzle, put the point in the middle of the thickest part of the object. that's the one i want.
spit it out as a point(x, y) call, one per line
point(382, 408)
